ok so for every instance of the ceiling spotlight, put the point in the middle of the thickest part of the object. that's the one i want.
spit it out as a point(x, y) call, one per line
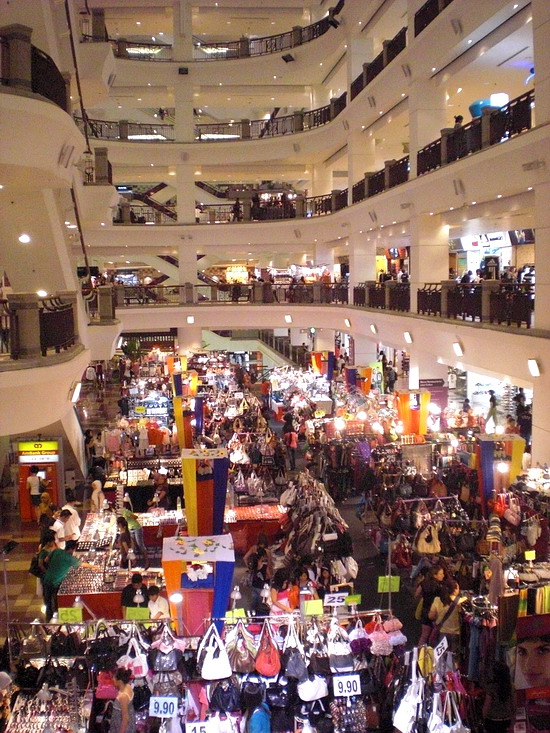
point(407, 336)
point(457, 348)
point(533, 366)
point(41, 293)
point(190, 320)
point(347, 322)
point(288, 318)
point(24, 238)
point(373, 328)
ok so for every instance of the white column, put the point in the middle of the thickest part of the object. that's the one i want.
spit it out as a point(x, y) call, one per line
point(359, 51)
point(362, 258)
point(324, 339)
point(321, 180)
point(429, 252)
point(184, 130)
point(324, 255)
point(183, 31)
point(365, 350)
point(427, 115)
point(185, 193)
point(542, 244)
point(540, 451)
point(541, 48)
point(187, 265)
point(189, 339)
point(361, 158)
point(425, 366)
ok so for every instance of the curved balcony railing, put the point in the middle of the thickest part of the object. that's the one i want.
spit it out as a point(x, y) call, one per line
point(428, 13)
point(371, 70)
point(488, 302)
point(57, 329)
point(218, 132)
point(5, 327)
point(224, 50)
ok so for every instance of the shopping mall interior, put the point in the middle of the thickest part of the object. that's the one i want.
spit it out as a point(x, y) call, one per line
point(230, 210)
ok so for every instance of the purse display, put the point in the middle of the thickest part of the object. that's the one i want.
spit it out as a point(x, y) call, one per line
point(212, 660)
point(268, 659)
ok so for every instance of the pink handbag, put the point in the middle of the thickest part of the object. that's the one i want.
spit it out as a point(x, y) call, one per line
point(106, 689)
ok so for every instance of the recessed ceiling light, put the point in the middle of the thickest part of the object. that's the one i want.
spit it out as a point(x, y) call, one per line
point(127, 262)
point(102, 223)
point(499, 196)
point(451, 208)
point(373, 328)
point(408, 337)
point(474, 203)
point(431, 213)
point(110, 262)
point(139, 99)
point(41, 293)
point(1, 187)
point(347, 322)
point(469, 41)
point(190, 320)
point(434, 68)
point(161, 33)
point(394, 222)
point(288, 318)
point(529, 188)
point(24, 238)
point(138, 22)
point(459, 90)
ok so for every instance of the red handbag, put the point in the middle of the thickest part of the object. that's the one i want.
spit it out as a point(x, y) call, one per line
point(268, 659)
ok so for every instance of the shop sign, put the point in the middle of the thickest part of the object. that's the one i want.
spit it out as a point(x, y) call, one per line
point(427, 383)
point(346, 685)
point(38, 448)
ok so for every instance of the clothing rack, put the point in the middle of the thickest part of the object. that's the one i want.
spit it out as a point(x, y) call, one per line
point(430, 498)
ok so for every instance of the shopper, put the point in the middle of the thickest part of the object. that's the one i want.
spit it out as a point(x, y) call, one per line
point(124, 541)
point(444, 613)
point(280, 594)
point(492, 414)
point(72, 527)
point(390, 377)
point(34, 488)
point(427, 591)
point(59, 564)
point(45, 506)
point(324, 581)
point(236, 210)
point(498, 706)
point(60, 530)
point(158, 606)
point(123, 716)
point(97, 498)
point(291, 441)
point(129, 592)
point(136, 530)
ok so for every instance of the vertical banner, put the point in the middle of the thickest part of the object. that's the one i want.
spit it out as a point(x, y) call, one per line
point(221, 475)
point(189, 474)
point(316, 362)
point(199, 415)
point(350, 376)
point(331, 363)
point(486, 461)
point(222, 591)
point(205, 474)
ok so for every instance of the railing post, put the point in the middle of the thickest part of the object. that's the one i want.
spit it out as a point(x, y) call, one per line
point(385, 45)
point(71, 296)
point(101, 164)
point(388, 287)
point(189, 294)
point(122, 48)
point(368, 176)
point(368, 284)
point(440, 6)
point(119, 294)
point(245, 129)
point(105, 303)
point(18, 38)
point(123, 129)
point(98, 24)
point(258, 292)
point(298, 121)
point(333, 199)
point(387, 165)
point(487, 287)
point(365, 72)
point(445, 133)
point(446, 287)
point(296, 35)
point(247, 210)
point(244, 47)
point(67, 78)
point(486, 113)
point(26, 318)
point(300, 206)
point(317, 292)
point(125, 208)
point(333, 103)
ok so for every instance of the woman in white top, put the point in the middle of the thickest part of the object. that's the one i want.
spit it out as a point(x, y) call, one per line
point(97, 498)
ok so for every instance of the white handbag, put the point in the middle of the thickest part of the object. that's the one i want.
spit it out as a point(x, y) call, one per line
point(352, 568)
point(136, 663)
point(212, 659)
point(407, 711)
point(312, 688)
point(435, 720)
point(452, 722)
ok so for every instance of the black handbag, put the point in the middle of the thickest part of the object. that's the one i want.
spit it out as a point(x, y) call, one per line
point(26, 676)
point(103, 650)
point(53, 674)
point(142, 695)
point(226, 697)
point(161, 662)
point(295, 665)
point(79, 673)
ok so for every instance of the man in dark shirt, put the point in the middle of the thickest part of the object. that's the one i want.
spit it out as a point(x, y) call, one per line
point(129, 593)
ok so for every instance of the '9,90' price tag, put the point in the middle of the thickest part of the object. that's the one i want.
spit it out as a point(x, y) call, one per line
point(163, 707)
point(346, 685)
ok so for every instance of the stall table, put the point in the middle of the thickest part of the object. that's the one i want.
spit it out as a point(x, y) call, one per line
point(246, 522)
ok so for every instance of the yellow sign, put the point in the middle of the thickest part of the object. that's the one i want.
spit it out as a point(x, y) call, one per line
point(38, 447)
point(139, 410)
point(70, 615)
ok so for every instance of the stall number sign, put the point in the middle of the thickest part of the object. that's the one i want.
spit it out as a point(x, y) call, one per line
point(70, 615)
point(163, 707)
point(346, 685)
point(335, 599)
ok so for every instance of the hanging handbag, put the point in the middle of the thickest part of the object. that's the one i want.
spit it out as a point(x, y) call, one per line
point(406, 713)
point(339, 650)
point(105, 689)
point(79, 673)
point(427, 541)
point(512, 513)
point(268, 659)
point(226, 697)
point(142, 695)
point(380, 643)
point(134, 660)
point(293, 654)
point(239, 644)
point(212, 659)
point(313, 687)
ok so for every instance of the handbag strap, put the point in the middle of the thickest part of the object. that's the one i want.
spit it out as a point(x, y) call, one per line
point(448, 612)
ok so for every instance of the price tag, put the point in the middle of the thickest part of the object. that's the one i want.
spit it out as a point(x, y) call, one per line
point(335, 599)
point(207, 726)
point(440, 649)
point(354, 600)
point(345, 685)
point(163, 707)
point(139, 410)
point(69, 615)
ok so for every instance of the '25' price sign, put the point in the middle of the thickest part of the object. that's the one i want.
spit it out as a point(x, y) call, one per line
point(345, 685)
point(163, 707)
